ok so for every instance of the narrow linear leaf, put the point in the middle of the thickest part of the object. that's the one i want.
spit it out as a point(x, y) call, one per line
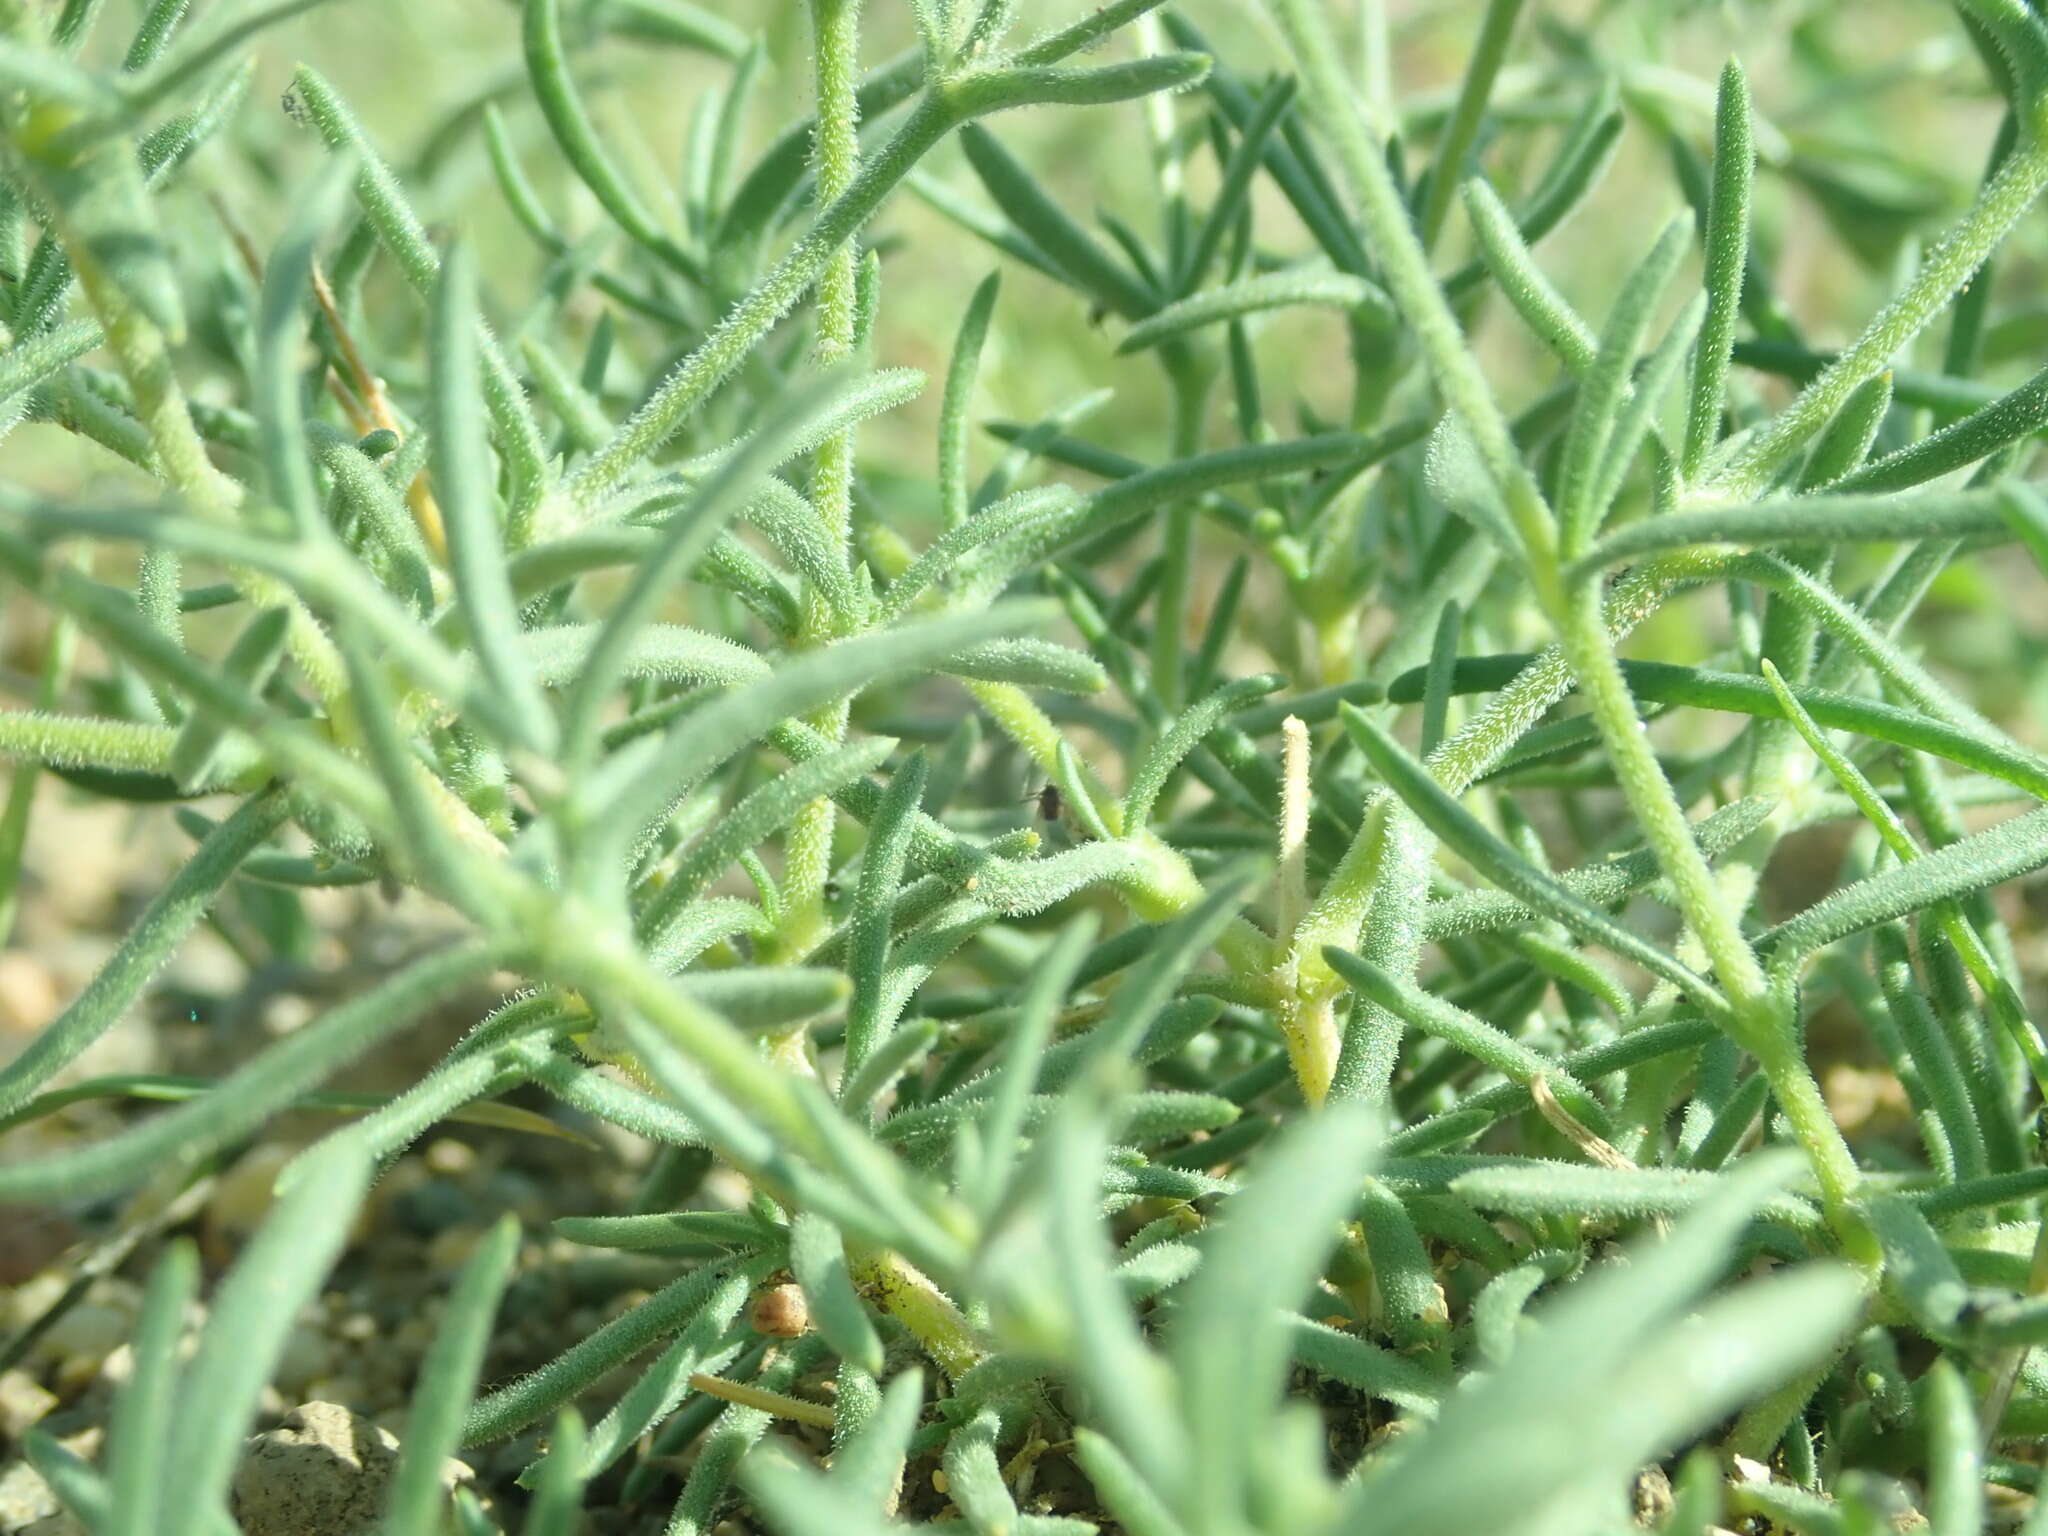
point(448, 1378)
point(1462, 831)
point(1255, 295)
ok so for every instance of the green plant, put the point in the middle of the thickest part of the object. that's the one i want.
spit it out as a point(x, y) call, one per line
point(1286, 960)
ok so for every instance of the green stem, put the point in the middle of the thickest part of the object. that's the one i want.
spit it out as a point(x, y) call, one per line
point(1166, 885)
point(1761, 1022)
point(1762, 1425)
point(1463, 758)
point(60, 647)
point(31, 738)
point(837, 24)
point(808, 862)
point(1586, 649)
point(928, 1313)
point(1020, 719)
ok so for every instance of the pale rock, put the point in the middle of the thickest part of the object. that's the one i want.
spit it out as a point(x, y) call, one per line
point(324, 1471)
point(118, 1367)
point(286, 1013)
point(29, 997)
point(24, 1402)
point(24, 1498)
point(449, 1157)
point(24, 1303)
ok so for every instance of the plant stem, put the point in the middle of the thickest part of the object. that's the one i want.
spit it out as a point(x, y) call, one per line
point(32, 738)
point(1307, 1012)
point(1761, 1015)
point(808, 865)
point(60, 647)
point(837, 154)
point(909, 1296)
point(777, 1404)
point(1591, 658)
point(1167, 884)
point(591, 957)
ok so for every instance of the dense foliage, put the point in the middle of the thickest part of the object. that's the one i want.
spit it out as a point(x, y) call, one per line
point(1360, 916)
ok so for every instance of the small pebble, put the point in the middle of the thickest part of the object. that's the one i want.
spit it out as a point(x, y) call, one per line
point(118, 1367)
point(32, 1298)
point(1652, 1496)
point(451, 1158)
point(24, 1498)
point(29, 995)
point(285, 1013)
point(780, 1312)
point(24, 1402)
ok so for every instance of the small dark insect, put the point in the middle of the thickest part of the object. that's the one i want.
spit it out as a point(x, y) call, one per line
point(1970, 1312)
point(1097, 313)
point(294, 108)
point(832, 890)
point(1051, 803)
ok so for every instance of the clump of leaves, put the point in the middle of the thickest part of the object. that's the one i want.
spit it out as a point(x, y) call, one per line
point(1278, 952)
